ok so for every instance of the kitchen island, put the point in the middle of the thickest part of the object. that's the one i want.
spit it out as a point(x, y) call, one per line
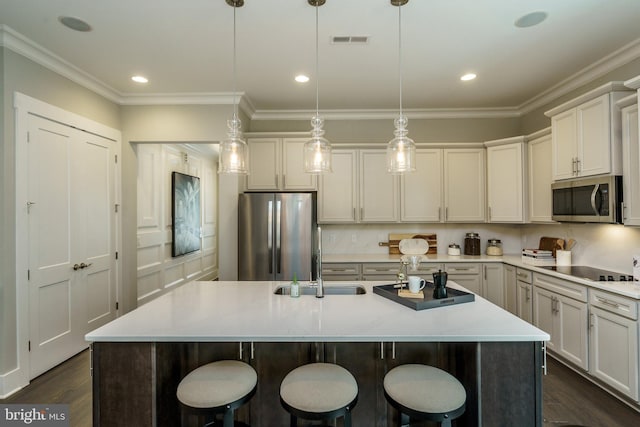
point(139, 359)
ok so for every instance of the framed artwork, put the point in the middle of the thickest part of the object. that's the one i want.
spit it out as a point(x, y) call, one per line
point(185, 211)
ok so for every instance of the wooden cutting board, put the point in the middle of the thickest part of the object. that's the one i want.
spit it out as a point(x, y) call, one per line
point(394, 242)
point(549, 244)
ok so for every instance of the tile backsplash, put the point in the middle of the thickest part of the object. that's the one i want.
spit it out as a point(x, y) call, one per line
point(600, 245)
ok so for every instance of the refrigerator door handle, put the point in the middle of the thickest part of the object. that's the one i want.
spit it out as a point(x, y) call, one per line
point(270, 235)
point(278, 248)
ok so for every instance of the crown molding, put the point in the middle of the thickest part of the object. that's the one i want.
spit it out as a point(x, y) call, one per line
point(620, 57)
point(633, 83)
point(20, 44)
point(375, 114)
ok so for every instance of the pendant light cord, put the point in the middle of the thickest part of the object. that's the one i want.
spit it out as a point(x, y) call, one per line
point(235, 105)
point(400, 53)
point(317, 78)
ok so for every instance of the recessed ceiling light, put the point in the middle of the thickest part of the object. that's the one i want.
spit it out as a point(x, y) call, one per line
point(467, 77)
point(76, 24)
point(530, 19)
point(140, 79)
point(301, 78)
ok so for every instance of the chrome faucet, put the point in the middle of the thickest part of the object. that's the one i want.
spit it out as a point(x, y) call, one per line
point(319, 283)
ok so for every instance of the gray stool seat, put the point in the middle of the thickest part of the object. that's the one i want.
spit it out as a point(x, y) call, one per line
point(425, 392)
point(319, 391)
point(218, 388)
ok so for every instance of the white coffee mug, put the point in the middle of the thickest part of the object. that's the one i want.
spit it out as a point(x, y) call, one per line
point(416, 284)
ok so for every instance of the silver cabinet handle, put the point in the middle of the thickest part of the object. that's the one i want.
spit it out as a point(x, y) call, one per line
point(381, 350)
point(489, 213)
point(528, 294)
point(270, 235)
point(591, 322)
point(278, 238)
point(609, 303)
point(439, 213)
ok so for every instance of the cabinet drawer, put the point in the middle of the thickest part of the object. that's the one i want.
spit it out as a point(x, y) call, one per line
point(617, 304)
point(462, 268)
point(524, 275)
point(390, 278)
point(381, 268)
point(562, 287)
point(425, 269)
point(339, 268)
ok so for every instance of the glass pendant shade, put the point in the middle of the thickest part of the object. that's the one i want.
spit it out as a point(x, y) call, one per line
point(234, 152)
point(317, 151)
point(401, 150)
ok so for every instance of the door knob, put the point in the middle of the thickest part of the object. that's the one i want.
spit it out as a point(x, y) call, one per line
point(76, 267)
point(83, 265)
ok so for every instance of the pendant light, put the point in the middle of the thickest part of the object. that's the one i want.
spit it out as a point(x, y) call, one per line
point(401, 150)
point(234, 152)
point(317, 151)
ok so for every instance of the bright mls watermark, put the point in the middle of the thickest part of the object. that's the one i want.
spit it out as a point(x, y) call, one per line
point(34, 415)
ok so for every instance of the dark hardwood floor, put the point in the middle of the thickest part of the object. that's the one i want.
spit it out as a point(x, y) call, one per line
point(569, 399)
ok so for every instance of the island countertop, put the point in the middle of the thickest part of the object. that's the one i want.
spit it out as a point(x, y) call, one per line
point(249, 311)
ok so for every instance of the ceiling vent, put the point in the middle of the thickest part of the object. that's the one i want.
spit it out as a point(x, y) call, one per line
point(350, 39)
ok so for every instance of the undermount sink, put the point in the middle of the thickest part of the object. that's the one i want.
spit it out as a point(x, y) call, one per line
point(347, 289)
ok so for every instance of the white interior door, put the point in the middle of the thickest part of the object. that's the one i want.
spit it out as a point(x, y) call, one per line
point(72, 284)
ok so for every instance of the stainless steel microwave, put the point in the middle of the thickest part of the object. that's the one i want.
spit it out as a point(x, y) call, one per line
point(591, 199)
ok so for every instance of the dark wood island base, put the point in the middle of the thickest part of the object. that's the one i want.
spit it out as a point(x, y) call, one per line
point(134, 383)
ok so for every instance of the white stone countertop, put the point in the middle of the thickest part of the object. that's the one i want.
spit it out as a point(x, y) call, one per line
point(628, 289)
point(249, 311)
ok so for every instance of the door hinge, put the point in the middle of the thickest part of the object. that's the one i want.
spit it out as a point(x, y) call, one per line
point(28, 136)
point(116, 255)
point(117, 305)
point(116, 156)
point(117, 207)
point(28, 274)
point(29, 345)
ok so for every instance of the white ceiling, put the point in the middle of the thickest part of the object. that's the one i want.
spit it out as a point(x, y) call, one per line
point(185, 48)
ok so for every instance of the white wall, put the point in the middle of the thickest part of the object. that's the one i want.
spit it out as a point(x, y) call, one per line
point(158, 272)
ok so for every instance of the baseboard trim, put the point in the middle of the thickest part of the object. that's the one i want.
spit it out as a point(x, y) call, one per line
point(11, 382)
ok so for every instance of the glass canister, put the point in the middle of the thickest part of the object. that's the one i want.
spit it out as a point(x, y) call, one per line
point(494, 247)
point(472, 244)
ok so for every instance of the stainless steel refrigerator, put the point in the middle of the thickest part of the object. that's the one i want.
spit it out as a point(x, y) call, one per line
point(276, 236)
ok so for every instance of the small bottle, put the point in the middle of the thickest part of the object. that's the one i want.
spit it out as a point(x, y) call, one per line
point(295, 287)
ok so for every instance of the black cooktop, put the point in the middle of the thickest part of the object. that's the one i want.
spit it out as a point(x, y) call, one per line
point(590, 273)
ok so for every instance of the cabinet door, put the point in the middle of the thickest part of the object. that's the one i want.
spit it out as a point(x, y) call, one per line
point(613, 351)
point(294, 178)
point(493, 283)
point(421, 191)
point(631, 160)
point(544, 313)
point(524, 301)
point(337, 197)
point(505, 183)
point(564, 136)
point(510, 289)
point(464, 185)
point(471, 282)
point(594, 141)
point(378, 188)
point(571, 316)
point(264, 164)
point(540, 175)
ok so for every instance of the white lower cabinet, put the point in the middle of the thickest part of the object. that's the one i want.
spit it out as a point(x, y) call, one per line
point(510, 289)
point(466, 275)
point(613, 347)
point(560, 309)
point(524, 295)
point(493, 286)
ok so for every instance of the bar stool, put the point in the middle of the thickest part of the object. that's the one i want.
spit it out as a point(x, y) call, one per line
point(319, 391)
point(217, 388)
point(423, 392)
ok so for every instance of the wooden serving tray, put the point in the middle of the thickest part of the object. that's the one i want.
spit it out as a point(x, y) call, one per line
point(394, 242)
point(454, 297)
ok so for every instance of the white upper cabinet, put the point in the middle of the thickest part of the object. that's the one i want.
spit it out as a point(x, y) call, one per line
point(630, 160)
point(464, 185)
point(421, 191)
point(539, 147)
point(506, 180)
point(586, 135)
point(359, 190)
point(277, 164)
point(338, 196)
point(378, 188)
